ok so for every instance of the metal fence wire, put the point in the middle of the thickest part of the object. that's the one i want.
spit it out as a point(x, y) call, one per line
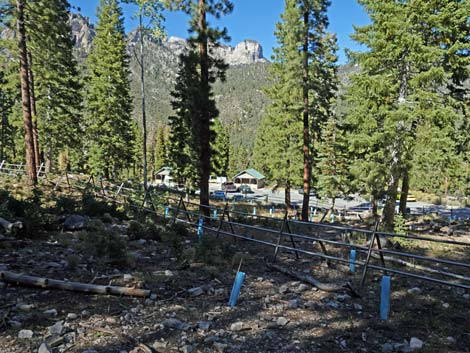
point(355, 247)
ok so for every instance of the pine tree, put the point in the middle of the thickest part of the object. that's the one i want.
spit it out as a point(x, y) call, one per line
point(9, 98)
point(25, 93)
point(182, 149)
point(399, 89)
point(220, 149)
point(108, 103)
point(333, 179)
point(54, 78)
point(208, 68)
point(304, 77)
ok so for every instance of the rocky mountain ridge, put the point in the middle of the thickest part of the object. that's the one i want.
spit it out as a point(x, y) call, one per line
point(244, 53)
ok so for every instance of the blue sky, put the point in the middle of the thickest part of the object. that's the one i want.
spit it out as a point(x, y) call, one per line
point(253, 19)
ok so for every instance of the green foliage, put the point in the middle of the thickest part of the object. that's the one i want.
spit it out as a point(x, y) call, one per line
point(57, 86)
point(279, 143)
point(135, 230)
point(182, 149)
point(105, 244)
point(66, 204)
point(334, 174)
point(199, 69)
point(398, 98)
point(173, 236)
point(110, 134)
point(212, 251)
point(220, 149)
point(95, 208)
point(160, 154)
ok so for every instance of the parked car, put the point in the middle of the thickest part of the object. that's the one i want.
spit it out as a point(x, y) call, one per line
point(218, 194)
point(245, 189)
point(238, 198)
point(229, 187)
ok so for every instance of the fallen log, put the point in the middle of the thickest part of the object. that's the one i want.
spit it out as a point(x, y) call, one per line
point(10, 226)
point(43, 282)
point(327, 287)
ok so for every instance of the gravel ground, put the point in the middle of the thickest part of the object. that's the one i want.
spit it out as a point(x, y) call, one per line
point(188, 311)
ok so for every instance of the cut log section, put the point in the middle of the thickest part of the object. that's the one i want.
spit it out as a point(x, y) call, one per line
point(327, 287)
point(9, 226)
point(15, 278)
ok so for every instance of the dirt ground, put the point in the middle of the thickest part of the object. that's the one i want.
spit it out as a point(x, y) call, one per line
point(189, 313)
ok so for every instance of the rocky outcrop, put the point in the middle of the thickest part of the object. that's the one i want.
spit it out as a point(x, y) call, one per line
point(244, 53)
point(82, 34)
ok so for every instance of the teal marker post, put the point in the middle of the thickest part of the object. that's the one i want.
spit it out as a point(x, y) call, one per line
point(271, 211)
point(352, 261)
point(200, 231)
point(214, 215)
point(237, 286)
point(254, 211)
point(385, 298)
point(167, 212)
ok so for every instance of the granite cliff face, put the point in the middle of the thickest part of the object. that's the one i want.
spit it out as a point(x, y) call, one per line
point(244, 53)
point(82, 34)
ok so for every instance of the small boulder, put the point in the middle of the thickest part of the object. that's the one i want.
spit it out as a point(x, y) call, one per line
point(416, 343)
point(74, 222)
point(195, 292)
point(56, 329)
point(237, 326)
point(51, 312)
point(72, 316)
point(25, 334)
point(175, 324)
point(44, 348)
point(281, 321)
point(387, 348)
point(414, 290)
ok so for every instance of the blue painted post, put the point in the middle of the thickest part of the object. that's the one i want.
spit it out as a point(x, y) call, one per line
point(254, 211)
point(167, 212)
point(200, 231)
point(332, 218)
point(237, 285)
point(271, 211)
point(352, 261)
point(214, 215)
point(385, 298)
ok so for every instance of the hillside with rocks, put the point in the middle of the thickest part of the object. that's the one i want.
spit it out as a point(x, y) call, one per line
point(240, 100)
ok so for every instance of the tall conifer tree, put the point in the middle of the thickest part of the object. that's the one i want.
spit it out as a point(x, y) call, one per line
point(108, 101)
point(304, 84)
point(208, 69)
point(399, 88)
point(56, 87)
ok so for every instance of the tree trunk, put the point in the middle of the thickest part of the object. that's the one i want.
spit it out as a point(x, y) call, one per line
point(142, 90)
point(204, 119)
point(33, 110)
point(306, 134)
point(405, 188)
point(25, 94)
point(373, 203)
point(287, 196)
point(390, 203)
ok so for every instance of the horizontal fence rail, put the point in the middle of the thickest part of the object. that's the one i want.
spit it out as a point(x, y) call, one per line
point(290, 236)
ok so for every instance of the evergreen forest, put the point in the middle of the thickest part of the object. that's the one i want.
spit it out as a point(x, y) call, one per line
point(392, 121)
